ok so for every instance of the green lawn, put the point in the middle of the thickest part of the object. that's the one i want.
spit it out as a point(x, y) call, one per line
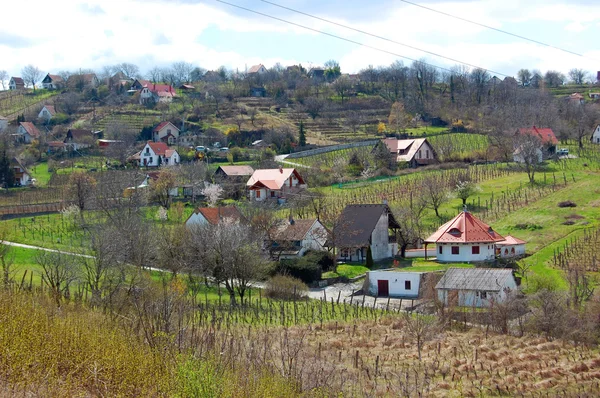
point(346, 270)
point(40, 172)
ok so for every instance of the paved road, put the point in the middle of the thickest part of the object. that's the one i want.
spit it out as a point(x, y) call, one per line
point(15, 244)
point(281, 159)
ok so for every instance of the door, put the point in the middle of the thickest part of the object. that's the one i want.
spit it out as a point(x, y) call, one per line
point(383, 288)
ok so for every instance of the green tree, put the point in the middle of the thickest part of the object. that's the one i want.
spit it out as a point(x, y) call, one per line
point(302, 137)
point(370, 262)
point(7, 176)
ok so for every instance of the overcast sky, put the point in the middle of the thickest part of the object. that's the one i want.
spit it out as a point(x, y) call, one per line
point(72, 34)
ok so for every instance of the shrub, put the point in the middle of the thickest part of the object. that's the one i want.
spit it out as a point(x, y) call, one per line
point(531, 227)
point(285, 288)
point(567, 203)
point(308, 268)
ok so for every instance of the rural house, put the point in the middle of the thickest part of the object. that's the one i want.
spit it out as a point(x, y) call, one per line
point(78, 139)
point(156, 154)
point(22, 175)
point(47, 112)
point(274, 184)
point(83, 81)
point(27, 132)
point(596, 135)
point(546, 137)
point(576, 98)
point(293, 238)
point(165, 132)
point(3, 123)
point(152, 92)
point(53, 82)
point(213, 215)
point(510, 247)
point(393, 283)
point(475, 287)
point(362, 226)
point(16, 83)
point(416, 152)
point(465, 239)
point(257, 70)
point(234, 173)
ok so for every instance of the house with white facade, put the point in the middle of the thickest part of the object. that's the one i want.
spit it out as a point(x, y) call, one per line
point(510, 247)
point(293, 238)
point(393, 283)
point(415, 152)
point(274, 184)
point(362, 226)
point(165, 132)
point(257, 70)
point(22, 175)
point(596, 135)
point(155, 92)
point(27, 132)
point(465, 239)
point(155, 154)
point(475, 287)
point(213, 215)
point(3, 123)
point(16, 83)
point(82, 81)
point(53, 82)
point(47, 112)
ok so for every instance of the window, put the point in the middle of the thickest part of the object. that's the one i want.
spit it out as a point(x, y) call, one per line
point(420, 154)
point(407, 285)
point(454, 232)
point(427, 154)
point(272, 194)
point(440, 250)
point(512, 250)
point(474, 249)
point(147, 150)
point(455, 250)
point(168, 131)
point(257, 194)
point(481, 294)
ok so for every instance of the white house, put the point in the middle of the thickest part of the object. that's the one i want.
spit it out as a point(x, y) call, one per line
point(596, 135)
point(362, 226)
point(465, 239)
point(393, 283)
point(257, 70)
point(16, 83)
point(522, 154)
point(156, 154)
point(293, 238)
point(213, 215)
point(416, 152)
point(510, 247)
point(3, 123)
point(165, 132)
point(475, 287)
point(153, 92)
point(47, 112)
point(274, 184)
point(22, 175)
point(27, 132)
point(53, 82)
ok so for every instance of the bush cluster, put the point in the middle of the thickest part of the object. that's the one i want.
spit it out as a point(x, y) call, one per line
point(285, 288)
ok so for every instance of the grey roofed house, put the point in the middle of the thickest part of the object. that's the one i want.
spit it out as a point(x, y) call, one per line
point(488, 279)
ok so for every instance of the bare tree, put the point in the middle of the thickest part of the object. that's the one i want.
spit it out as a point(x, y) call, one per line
point(434, 193)
point(82, 187)
point(162, 187)
point(128, 69)
point(59, 271)
point(314, 106)
point(155, 74)
point(342, 86)
point(182, 72)
point(173, 248)
point(31, 75)
point(553, 78)
point(524, 76)
point(3, 78)
point(6, 258)
point(578, 76)
point(420, 328)
point(354, 121)
point(409, 220)
point(529, 152)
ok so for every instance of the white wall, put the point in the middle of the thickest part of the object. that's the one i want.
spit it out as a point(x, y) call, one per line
point(424, 152)
point(506, 251)
point(518, 157)
point(196, 219)
point(3, 124)
point(396, 282)
point(472, 298)
point(380, 247)
point(315, 238)
point(420, 253)
point(486, 252)
point(596, 135)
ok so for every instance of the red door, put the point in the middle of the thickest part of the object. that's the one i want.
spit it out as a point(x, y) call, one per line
point(383, 288)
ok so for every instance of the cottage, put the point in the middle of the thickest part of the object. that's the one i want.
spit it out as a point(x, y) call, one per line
point(271, 184)
point(187, 87)
point(22, 175)
point(213, 216)
point(362, 226)
point(16, 83)
point(53, 82)
point(316, 73)
point(56, 146)
point(3, 123)
point(165, 132)
point(27, 132)
point(78, 139)
point(393, 283)
point(576, 98)
point(259, 144)
point(234, 172)
point(510, 247)
point(475, 287)
point(257, 70)
point(153, 92)
point(47, 112)
point(293, 238)
point(465, 239)
point(594, 95)
point(156, 154)
point(546, 137)
point(416, 152)
point(596, 135)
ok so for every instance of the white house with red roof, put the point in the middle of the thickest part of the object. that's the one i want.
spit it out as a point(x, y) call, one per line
point(27, 132)
point(545, 136)
point(510, 247)
point(154, 91)
point(47, 112)
point(156, 154)
point(274, 184)
point(465, 239)
point(416, 152)
point(257, 70)
point(16, 83)
point(165, 132)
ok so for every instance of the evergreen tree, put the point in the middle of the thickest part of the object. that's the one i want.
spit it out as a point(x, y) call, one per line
point(302, 138)
point(7, 176)
point(370, 262)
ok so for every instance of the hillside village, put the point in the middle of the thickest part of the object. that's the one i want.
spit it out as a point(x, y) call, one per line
point(399, 197)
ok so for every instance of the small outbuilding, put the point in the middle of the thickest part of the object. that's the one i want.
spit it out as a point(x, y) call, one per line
point(510, 247)
point(393, 283)
point(596, 135)
point(475, 287)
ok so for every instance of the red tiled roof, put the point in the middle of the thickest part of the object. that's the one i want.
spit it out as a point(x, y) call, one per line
point(161, 90)
point(18, 80)
point(214, 214)
point(159, 148)
point(255, 68)
point(30, 128)
point(50, 109)
point(511, 240)
point(56, 144)
point(163, 124)
point(287, 231)
point(170, 152)
point(273, 178)
point(465, 228)
point(545, 134)
point(56, 78)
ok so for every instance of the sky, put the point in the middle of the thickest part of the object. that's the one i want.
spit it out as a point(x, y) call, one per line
point(73, 34)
